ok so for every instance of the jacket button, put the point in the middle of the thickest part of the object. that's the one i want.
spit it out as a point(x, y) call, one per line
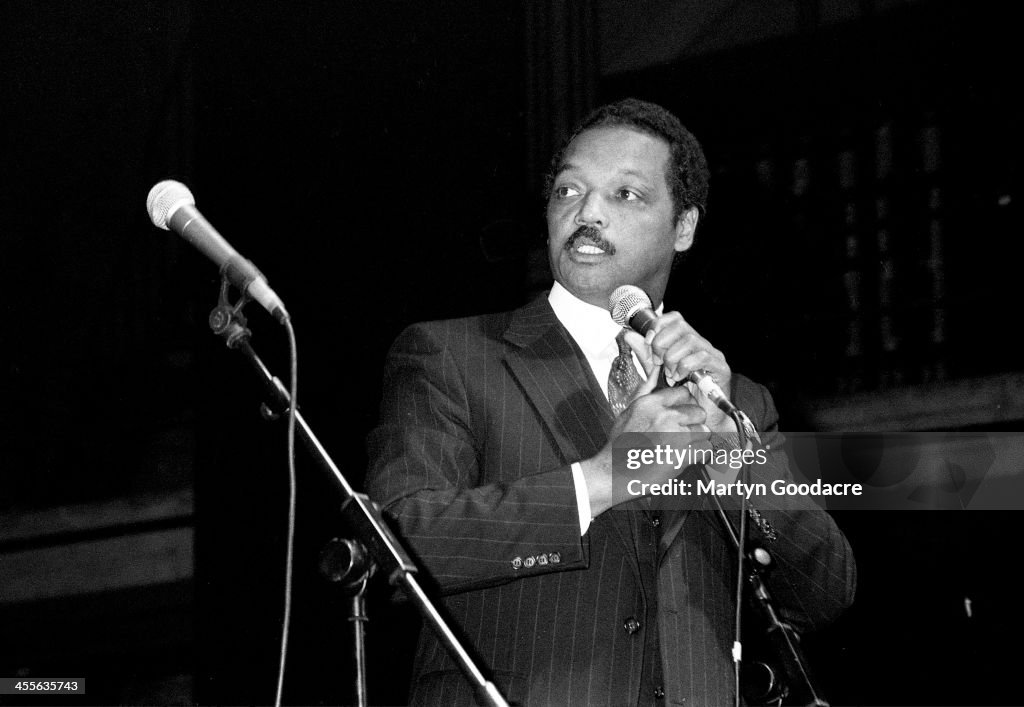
point(631, 625)
point(529, 562)
point(555, 558)
point(659, 693)
point(517, 563)
point(656, 521)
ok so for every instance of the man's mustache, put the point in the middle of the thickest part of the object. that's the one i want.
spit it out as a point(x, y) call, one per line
point(591, 234)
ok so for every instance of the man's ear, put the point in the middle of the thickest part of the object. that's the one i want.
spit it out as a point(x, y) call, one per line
point(686, 227)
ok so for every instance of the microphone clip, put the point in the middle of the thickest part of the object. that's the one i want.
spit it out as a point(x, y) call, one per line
point(226, 319)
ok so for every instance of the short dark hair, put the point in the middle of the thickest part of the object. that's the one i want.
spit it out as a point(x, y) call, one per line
point(687, 170)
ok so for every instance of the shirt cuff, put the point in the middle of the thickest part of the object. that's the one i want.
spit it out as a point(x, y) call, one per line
point(582, 497)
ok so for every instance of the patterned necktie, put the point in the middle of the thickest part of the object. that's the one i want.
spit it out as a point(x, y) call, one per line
point(623, 379)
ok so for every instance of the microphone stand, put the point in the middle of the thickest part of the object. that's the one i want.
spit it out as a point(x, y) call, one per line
point(347, 563)
point(362, 515)
point(783, 637)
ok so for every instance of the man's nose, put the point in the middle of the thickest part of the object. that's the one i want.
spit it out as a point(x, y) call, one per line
point(591, 211)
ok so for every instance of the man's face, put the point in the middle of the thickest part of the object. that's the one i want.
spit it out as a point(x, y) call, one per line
point(611, 218)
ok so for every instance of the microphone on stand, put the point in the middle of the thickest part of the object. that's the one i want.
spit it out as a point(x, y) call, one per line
point(172, 207)
point(631, 307)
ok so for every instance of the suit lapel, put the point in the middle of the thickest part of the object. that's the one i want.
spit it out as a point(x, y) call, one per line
point(673, 520)
point(672, 523)
point(553, 373)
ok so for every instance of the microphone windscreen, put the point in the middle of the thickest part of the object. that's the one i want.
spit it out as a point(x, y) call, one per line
point(625, 302)
point(164, 199)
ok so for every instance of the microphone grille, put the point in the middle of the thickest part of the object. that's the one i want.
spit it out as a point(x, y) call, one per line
point(626, 301)
point(165, 198)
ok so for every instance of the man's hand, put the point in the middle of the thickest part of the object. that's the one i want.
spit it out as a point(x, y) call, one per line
point(677, 347)
point(667, 410)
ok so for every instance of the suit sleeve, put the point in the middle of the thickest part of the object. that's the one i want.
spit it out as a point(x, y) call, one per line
point(814, 577)
point(467, 530)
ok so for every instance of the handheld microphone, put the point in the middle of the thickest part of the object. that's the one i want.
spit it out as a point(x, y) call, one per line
point(631, 307)
point(172, 207)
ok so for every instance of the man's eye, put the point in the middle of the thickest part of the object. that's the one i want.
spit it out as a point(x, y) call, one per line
point(565, 192)
point(628, 195)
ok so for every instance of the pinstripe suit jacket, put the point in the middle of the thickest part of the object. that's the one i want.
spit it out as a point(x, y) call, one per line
point(480, 420)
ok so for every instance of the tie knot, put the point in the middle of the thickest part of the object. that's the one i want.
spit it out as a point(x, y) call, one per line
point(620, 341)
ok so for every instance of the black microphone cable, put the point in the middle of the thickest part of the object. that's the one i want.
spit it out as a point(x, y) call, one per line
point(743, 477)
point(292, 484)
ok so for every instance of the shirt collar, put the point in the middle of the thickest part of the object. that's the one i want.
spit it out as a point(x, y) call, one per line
point(591, 327)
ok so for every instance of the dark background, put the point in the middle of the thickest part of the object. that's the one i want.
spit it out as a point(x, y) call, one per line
point(381, 164)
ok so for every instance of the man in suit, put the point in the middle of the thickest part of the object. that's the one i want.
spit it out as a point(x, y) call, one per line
point(494, 456)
